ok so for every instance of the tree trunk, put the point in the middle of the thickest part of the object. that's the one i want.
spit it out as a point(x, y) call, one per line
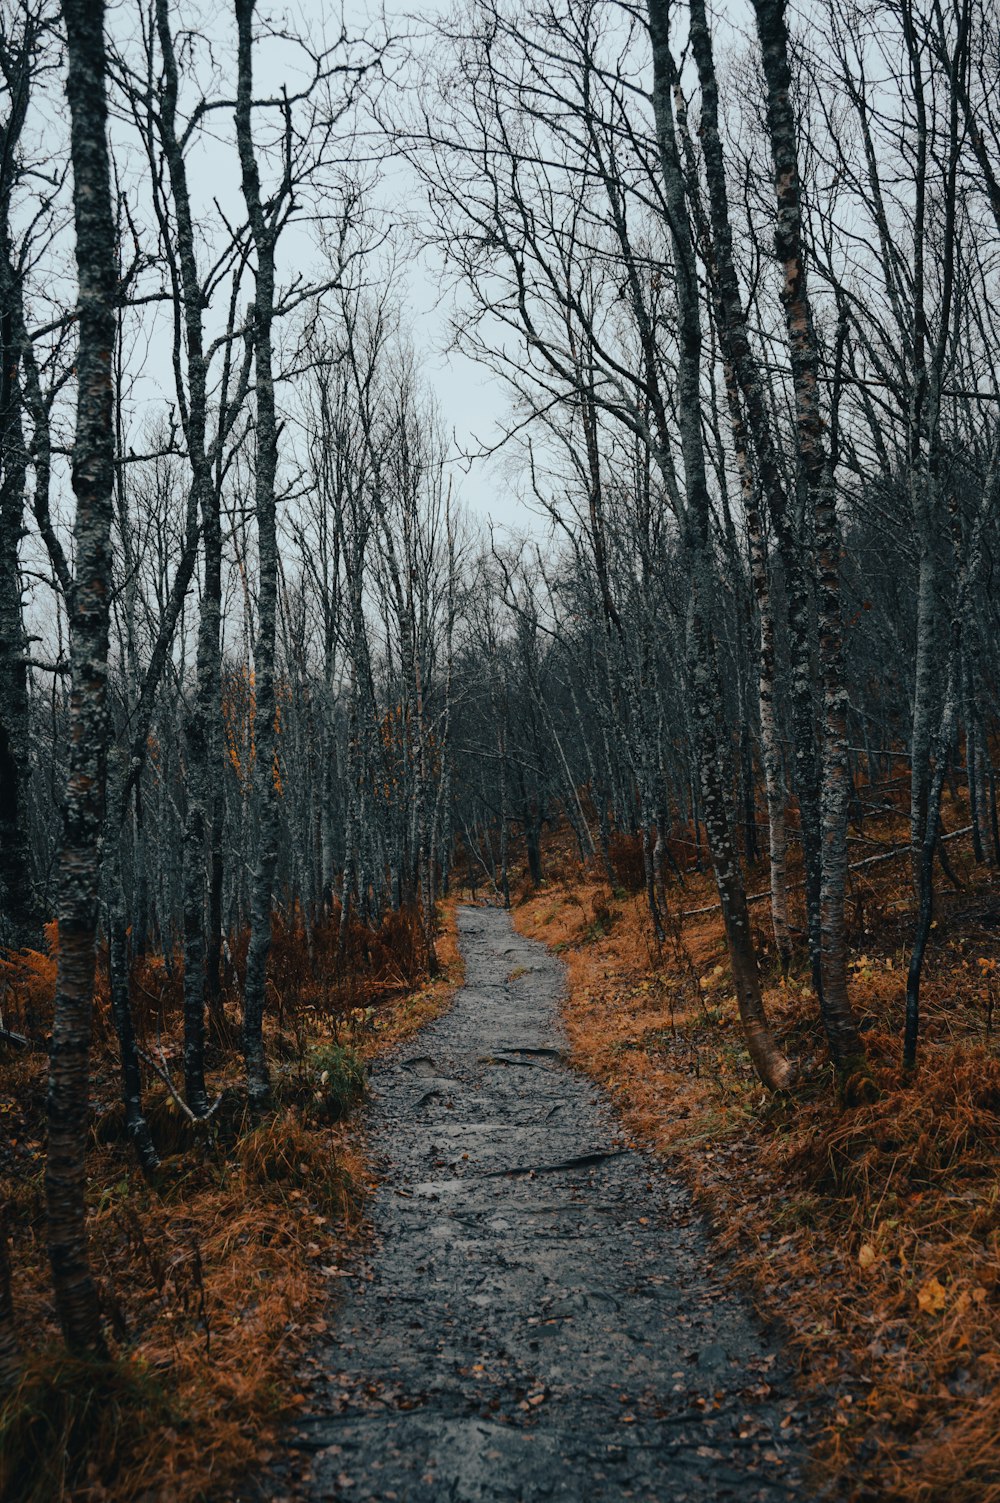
point(202, 741)
point(770, 747)
point(774, 1070)
point(19, 918)
point(814, 468)
point(743, 368)
point(262, 229)
point(93, 480)
point(136, 1125)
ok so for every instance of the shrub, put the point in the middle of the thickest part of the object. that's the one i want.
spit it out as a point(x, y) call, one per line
point(340, 1078)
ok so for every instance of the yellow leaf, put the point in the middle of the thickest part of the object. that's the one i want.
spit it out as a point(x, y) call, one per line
point(932, 1297)
point(866, 1255)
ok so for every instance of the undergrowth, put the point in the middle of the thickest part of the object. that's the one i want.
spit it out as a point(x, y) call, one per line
point(68, 1411)
point(340, 1079)
point(869, 1232)
point(216, 1277)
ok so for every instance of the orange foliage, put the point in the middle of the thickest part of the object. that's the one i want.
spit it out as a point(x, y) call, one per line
point(216, 1279)
point(871, 1234)
point(239, 712)
point(28, 985)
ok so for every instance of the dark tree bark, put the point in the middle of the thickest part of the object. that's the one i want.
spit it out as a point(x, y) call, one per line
point(202, 730)
point(19, 917)
point(814, 468)
point(752, 420)
point(771, 1065)
point(93, 482)
point(18, 912)
point(263, 226)
point(136, 1124)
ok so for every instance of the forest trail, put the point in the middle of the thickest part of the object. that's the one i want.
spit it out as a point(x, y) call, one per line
point(537, 1315)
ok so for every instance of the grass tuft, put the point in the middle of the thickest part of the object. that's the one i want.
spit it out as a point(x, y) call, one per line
point(340, 1079)
point(864, 1216)
point(76, 1420)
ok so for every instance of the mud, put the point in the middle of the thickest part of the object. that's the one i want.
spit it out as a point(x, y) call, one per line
point(540, 1314)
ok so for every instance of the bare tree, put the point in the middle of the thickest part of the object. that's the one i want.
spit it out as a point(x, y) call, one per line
point(20, 48)
point(89, 612)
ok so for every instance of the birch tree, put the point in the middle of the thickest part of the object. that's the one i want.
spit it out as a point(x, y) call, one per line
point(89, 611)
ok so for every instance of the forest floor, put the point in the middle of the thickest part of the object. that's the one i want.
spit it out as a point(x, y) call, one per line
point(539, 1312)
point(214, 1278)
point(870, 1234)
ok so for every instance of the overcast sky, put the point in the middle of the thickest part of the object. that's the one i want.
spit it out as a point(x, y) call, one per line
point(472, 403)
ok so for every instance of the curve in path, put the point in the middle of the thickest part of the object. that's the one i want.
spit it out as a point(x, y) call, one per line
point(538, 1315)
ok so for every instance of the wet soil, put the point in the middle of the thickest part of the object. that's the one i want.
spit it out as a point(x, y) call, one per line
point(539, 1313)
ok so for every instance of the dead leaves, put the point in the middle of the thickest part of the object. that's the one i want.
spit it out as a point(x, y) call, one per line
point(873, 1233)
point(932, 1297)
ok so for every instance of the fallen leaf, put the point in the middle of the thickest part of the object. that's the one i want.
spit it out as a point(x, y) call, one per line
point(932, 1297)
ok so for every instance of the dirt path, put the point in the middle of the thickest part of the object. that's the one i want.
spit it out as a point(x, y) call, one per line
point(538, 1316)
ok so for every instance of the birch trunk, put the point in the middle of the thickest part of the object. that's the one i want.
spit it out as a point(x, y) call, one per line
point(770, 747)
point(774, 1070)
point(93, 481)
point(739, 358)
point(814, 468)
point(136, 1125)
point(201, 737)
point(19, 918)
point(262, 229)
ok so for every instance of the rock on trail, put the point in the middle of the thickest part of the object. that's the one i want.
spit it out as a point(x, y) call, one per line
point(537, 1315)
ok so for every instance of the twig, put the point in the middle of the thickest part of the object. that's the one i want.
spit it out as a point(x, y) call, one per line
point(164, 1074)
point(855, 866)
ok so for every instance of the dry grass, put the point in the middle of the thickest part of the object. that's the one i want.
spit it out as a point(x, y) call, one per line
point(871, 1233)
point(214, 1280)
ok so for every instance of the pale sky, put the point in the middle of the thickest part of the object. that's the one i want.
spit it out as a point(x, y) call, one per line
point(471, 401)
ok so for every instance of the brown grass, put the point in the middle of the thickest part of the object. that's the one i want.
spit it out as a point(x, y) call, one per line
point(215, 1280)
point(871, 1234)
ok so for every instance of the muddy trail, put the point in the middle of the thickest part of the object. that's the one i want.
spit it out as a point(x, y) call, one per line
point(539, 1314)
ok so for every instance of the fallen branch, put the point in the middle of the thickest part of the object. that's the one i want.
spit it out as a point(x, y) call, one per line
point(164, 1074)
point(856, 866)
